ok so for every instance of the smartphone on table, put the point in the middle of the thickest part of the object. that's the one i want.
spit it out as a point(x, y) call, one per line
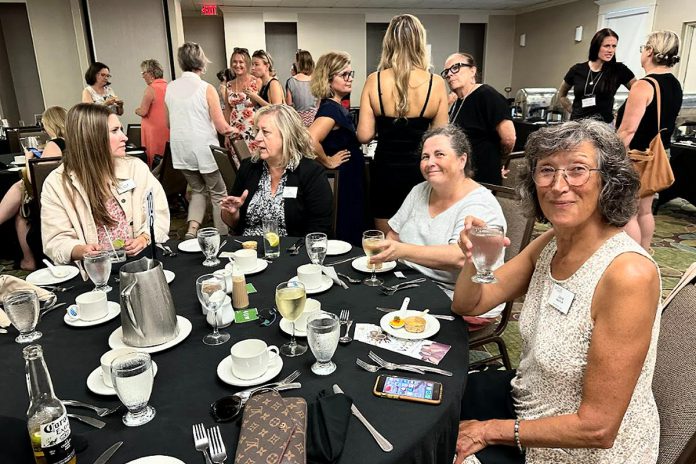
point(403, 388)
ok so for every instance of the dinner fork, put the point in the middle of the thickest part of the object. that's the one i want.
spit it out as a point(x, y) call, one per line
point(294, 249)
point(344, 319)
point(101, 412)
point(218, 453)
point(391, 365)
point(402, 284)
point(350, 279)
point(393, 290)
point(200, 441)
point(372, 368)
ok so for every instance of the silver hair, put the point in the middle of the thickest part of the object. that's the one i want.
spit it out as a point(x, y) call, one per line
point(618, 199)
point(192, 58)
point(458, 141)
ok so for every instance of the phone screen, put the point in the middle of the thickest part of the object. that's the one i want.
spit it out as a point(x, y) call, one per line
point(421, 389)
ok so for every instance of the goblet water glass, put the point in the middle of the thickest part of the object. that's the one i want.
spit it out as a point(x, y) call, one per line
point(211, 293)
point(487, 242)
point(132, 377)
point(209, 241)
point(370, 240)
point(290, 300)
point(316, 244)
point(98, 267)
point(322, 336)
point(22, 308)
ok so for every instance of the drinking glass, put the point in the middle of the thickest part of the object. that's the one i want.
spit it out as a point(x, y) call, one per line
point(322, 336)
point(316, 244)
point(370, 239)
point(290, 300)
point(209, 241)
point(211, 293)
point(132, 378)
point(98, 267)
point(22, 307)
point(487, 244)
point(271, 240)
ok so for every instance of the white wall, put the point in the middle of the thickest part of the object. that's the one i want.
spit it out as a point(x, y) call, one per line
point(443, 37)
point(497, 64)
point(244, 30)
point(209, 32)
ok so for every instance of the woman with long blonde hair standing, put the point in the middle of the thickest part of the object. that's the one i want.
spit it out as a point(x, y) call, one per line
point(399, 102)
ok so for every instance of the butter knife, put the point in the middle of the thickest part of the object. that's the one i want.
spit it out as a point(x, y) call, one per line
point(88, 420)
point(381, 441)
point(341, 261)
point(438, 316)
point(106, 455)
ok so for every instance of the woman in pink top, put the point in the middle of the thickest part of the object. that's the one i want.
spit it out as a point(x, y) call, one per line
point(154, 132)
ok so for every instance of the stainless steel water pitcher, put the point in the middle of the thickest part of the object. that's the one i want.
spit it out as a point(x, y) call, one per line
point(148, 317)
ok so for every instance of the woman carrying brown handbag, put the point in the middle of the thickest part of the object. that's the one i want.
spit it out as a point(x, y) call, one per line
point(637, 119)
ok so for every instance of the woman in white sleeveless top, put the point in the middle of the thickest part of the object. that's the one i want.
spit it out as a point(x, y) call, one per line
point(195, 117)
point(590, 320)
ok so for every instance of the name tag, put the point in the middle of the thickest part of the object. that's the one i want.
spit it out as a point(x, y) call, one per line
point(241, 107)
point(125, 186)
point(561, 299)
point(589, 101)
point(290, 192)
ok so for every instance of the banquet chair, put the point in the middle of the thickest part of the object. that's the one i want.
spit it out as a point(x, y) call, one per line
point(15, 134)
point(519, 231)
point(241, 150)
point(133, 134)
point(516, 163)
point(39, 169)
point(332, 175)
point(172, 180)
point(674, 380)
point(226, 165)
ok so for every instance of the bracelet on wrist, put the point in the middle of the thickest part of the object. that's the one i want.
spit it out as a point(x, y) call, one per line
point(517, 436)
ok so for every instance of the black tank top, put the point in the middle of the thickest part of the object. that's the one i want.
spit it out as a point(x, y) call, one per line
point(264, 91)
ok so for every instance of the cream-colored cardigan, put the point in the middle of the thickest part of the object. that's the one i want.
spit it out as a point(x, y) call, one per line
point(66, 223)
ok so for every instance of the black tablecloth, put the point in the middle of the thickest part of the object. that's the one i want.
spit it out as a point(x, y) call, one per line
point(8, 235)
point(683, 162)
point(187, 382)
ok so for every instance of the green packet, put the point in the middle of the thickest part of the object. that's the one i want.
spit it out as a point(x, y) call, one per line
point(246, 315)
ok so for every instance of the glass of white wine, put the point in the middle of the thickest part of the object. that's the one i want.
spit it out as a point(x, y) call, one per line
point(370, 241)
point(290, 300)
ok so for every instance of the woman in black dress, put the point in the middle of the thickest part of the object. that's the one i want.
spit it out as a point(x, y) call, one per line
point(271, 91)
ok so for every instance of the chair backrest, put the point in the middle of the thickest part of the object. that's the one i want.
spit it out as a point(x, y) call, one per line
point(133, 134)
point(226, 165)
point(15, 134)
point(674, 381)
point(519, 227)
point(332, 175)
point(39, 169)
point(172, 180)
point(516, 163)
point(241, 149)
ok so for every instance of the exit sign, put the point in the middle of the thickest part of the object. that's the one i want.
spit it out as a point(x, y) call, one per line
point(209, 10)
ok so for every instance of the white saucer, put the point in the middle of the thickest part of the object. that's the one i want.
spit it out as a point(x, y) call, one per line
point(14, 169)
point(169, 275)
point(326, 284)
point(261, 264)
point(286, 326)
point(184, 325)
point(95, 381)
point(432, 325)
point(190, 246)
point(337, 247)
point(224, 372)
point(360, 264)
point(44, 276)
point(158, 459)
point(114, 311)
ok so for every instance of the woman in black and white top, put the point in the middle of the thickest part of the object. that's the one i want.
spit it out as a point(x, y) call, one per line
point(271, 91)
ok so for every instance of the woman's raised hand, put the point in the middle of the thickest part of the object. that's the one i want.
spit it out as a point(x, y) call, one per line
point(232, 204)
point(340, 157)
point(389, 251)
point(465, 243)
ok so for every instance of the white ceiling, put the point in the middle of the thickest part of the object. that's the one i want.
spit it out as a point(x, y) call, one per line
point(195, 5)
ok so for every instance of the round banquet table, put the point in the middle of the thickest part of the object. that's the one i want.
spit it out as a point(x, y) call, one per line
point(187, 382)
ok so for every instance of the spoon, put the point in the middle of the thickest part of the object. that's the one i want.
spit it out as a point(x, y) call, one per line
point(57, 272)
point(3, 331)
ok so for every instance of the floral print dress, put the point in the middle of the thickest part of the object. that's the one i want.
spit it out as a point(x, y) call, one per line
point(242, 111)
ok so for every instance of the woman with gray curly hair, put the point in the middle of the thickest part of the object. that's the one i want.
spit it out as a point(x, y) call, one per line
point(590, 320)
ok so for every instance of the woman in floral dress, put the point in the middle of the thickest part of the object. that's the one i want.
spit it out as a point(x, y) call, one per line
point(240, 108)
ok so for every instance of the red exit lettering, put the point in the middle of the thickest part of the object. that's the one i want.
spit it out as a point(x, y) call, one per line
point(209, 10)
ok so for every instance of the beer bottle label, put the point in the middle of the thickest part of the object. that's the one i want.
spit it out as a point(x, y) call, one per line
point(56, 441)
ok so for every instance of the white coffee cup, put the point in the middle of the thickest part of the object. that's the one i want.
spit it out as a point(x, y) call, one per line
point(309, 275)
point(226, 275)
point(245, 259)
point(311, 305)
point(106, 360)
point(251, 358)
point(20, 159)
point(91, 306)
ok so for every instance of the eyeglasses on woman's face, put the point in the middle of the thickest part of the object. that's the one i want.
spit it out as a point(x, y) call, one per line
point(345, 75)
point(454, 69)
point(575, 175)
point(104, 74)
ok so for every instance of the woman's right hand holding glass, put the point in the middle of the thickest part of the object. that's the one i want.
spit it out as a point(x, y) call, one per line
point(79, 251)
point(464, 241)
point(232, 204)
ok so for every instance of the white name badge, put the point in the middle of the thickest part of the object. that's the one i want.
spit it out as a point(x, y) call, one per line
point(125, 186)
point(561, 299)
point(290, 192)
point(589, 101)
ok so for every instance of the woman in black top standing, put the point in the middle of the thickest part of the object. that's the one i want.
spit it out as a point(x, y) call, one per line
point(595, 82)
point(637, 117)
point(271, 91)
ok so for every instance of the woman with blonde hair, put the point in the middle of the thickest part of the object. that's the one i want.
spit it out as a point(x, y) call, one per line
point(298, 93)
point(336, 143)
point(399, 102)
point(637, 118)
point(97, 194)
point(281, 180)
point(239, 108)
point(271, 91)
point(154, 134)
point(18, 198)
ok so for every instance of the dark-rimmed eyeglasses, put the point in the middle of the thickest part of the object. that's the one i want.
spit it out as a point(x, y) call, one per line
point(575, 175)
point(345, 75)
point(454, 69)
point(108, 76)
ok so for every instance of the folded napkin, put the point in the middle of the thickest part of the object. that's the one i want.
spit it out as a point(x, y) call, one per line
point(327, 427)
point(331, 272)
point(10, 284)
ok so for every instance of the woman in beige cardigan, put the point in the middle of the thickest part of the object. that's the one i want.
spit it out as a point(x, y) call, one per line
point(97, 196)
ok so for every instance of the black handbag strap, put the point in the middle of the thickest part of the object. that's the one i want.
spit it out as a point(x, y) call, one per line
point(659, 100)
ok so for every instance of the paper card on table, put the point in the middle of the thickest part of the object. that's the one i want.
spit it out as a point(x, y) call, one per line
point(399, 274)
point(246, 315)
point(226, 254)
point(425, 350)
point(250, 288)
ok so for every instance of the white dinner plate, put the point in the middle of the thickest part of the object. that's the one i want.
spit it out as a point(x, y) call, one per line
point(14, 169)
point(224, 372)
point(261, 264)
point(337, 247)
point(286, 326)
point(360, 264)
point(114, 311)
point(326, 284)
point(169, 275)
point(18, 163)
point(432, 325)
point(190, 246)
point(44, 276)
point(184, 325)
point(158, 459)
point(95, 381)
